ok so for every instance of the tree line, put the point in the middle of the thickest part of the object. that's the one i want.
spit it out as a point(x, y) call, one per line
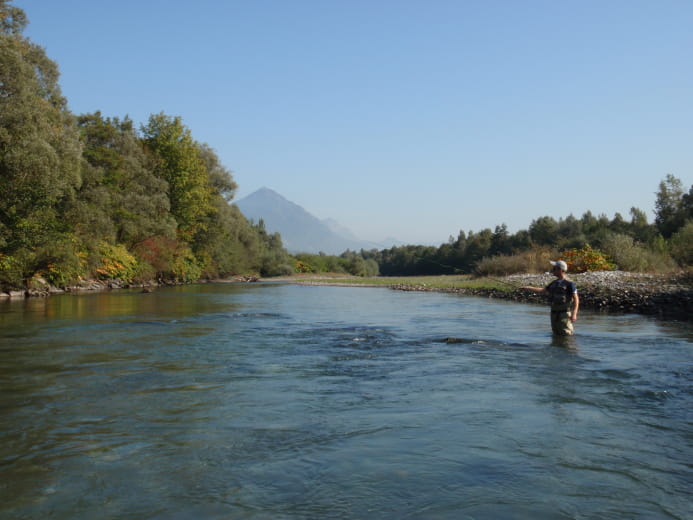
point(85, 196)
point(631, 244)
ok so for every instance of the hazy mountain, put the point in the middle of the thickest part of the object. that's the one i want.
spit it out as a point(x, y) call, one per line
point(302, 232)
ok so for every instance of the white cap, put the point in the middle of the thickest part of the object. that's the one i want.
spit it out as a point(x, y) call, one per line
point(561, 265)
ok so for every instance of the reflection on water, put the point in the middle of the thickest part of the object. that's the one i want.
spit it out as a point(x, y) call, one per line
point(275, 401)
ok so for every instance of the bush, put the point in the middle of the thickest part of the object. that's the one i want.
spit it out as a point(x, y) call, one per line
point(185, 267)
point(63, 261)
point(632, 256)
point(144, 273)
point(11, 272)
point(277, 269)
point(501, 265)
point(116, 262)
point(682, 245)
point(531, 261)
point(168, 258)
point(587, 259)
point(320, 263)
point(303, 267)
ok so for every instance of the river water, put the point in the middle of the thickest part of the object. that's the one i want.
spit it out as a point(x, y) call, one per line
point(284, 401)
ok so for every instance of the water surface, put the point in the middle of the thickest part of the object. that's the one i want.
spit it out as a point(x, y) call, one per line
point(284, 401)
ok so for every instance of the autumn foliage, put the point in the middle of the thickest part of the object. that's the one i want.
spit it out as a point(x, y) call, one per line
point(586, 259)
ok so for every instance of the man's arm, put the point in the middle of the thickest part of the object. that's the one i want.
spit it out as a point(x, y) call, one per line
point(539, 290)
point(576, 306)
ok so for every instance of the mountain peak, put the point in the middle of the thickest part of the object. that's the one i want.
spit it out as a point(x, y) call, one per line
point(266, 194)
point(300, 231)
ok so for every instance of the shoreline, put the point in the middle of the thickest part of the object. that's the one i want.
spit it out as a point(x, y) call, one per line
point(668, 297)
point(45, 289)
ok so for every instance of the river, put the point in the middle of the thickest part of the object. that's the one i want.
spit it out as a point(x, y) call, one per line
point(272, 401)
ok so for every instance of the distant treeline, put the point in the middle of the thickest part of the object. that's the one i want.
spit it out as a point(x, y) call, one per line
point(633, 245)
point(94, 197)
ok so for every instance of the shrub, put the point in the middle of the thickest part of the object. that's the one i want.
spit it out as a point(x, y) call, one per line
point(682, 245)
point(144, 273)
point(632, 256)
point(169, 259)
point(116, 262)
point(303, 267)
point(11, 272)
point(185, 267)
point(501, 265)
point(531, 261)
point(63, 261)
point(587, 259)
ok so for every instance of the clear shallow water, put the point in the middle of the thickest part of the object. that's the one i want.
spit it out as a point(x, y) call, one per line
point(282, 401)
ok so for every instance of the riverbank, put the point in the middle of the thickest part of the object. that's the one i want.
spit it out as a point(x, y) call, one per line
point(668, 296)
point(41, 288)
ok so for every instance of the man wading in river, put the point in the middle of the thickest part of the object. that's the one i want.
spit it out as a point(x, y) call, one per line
point(563, 298)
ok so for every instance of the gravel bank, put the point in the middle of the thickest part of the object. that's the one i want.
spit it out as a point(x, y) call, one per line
point(666, 296)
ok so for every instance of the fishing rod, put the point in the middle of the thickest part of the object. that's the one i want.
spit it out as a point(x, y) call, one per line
point(514, 285)
point(460, 271)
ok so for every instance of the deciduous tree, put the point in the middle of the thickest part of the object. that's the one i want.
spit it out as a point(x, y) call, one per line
point(40, 149)
point(178, 161)
point(670, 212)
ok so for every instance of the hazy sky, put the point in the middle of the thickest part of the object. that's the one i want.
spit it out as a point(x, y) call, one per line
point(407, 119)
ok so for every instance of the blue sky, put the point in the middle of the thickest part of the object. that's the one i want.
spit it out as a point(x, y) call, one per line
point(407, 119)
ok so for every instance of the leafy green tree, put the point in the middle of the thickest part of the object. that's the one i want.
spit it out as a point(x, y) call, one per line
point(688, 204)
point(178, 161)
point(569, 233)
point(544, 230)
point(521, 240)
point(120, 200)
point(271, 259)
point(478, 246)
point(682, 245)
point(670, 211)
point(39, 149)
point(500, 241)
point(220, 179)
point(641, 230)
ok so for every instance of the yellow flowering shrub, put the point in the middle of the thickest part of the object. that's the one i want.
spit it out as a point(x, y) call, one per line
point(116, 262)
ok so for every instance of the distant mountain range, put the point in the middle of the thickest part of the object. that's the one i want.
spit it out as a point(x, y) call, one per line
point(302, 232)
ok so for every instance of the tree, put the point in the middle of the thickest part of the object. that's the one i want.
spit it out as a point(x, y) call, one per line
point(641, 230)
point(39, 147)
point(570, 233)
point(120, 199)
point(500, 241)
point(478, 246)
point(670, 211)
point(544, 231)
point(688, 204)
point(682, 245)
point(178, 161)
point(220, 178)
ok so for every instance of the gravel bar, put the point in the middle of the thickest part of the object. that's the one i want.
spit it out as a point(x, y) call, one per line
point(666, 296)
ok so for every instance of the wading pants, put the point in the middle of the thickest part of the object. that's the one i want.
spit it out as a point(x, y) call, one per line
point(561, 324)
